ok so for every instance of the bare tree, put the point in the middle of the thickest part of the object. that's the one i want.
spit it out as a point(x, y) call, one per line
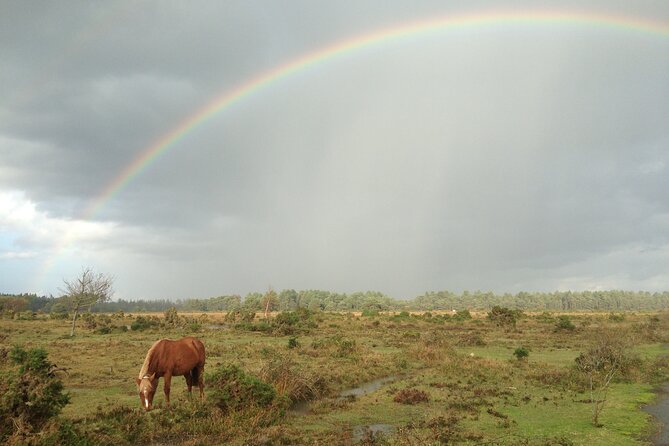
point(600, 364)
point(85, 290)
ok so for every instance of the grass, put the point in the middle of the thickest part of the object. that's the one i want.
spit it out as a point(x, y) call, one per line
point(487, 393)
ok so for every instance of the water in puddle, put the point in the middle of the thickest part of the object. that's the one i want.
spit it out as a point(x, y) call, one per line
point(360, 432)
point(660, 410)
point(367, 387)
point(302, 407)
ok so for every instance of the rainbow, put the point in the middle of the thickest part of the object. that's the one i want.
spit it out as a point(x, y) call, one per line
point(264, 80)
point(229, 98)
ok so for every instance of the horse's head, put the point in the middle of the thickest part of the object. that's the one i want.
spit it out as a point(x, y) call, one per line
point(147, 388)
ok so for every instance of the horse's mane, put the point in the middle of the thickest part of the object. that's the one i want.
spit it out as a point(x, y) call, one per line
point(147, 361)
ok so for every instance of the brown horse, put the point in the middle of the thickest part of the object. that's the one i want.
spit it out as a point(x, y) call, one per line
point(169, 358)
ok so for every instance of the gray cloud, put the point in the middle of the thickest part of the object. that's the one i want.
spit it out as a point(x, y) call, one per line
point(501, 157)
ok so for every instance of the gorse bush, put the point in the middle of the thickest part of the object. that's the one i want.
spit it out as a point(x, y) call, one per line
point(30, 394)
point(231, 388)
point(504, 317)
point(521, 353)
point(172, 318)
point(462, 315)
point(564, 323)
point(142, 323)
point(289, 378)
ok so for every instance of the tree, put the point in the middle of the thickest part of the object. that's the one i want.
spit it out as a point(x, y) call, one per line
point(270, 301)
point(85, 290)
point(600, 364)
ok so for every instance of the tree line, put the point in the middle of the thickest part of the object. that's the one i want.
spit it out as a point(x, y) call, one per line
point(287, 300)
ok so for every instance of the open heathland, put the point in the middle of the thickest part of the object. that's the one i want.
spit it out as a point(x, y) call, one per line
point(310, 377)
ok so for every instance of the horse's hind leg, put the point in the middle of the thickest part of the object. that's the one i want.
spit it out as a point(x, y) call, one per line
point(199, 373)
point(189, 382)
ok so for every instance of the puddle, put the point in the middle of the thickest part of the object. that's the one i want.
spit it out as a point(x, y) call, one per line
point(300, 408)
point(303, 407)
point(372, 430)
point(367, 387)
point(660, 410)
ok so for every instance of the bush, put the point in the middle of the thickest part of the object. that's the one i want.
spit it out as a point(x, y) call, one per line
point(472, 339)
point(172, 318)
point(87, 320)
point(345, 347)
point(462, 315)
point(608, 356)
point(231, 389)
point(564, 323)
point(59, 311)
point(504, 317)
point(613, 317)
point(292, 342)
point(290, 322)
point(142, 323)
point(289, 379)
point(521, 353)
point(30, 395)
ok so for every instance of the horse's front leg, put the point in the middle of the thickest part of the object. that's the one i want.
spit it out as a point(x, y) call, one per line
point(168, 382)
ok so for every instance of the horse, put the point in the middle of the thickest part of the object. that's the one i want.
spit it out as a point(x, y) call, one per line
point(168, 358)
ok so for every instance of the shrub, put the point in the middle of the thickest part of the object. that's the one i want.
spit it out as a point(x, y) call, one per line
point(59, 311)
point(290, 322)
point(472, 339)
point(292, 342)
point(345, 347)
point(411, 396)
point(546, 317)
point(103, 330)
point(564, 323)
point(462, 315)
point(142, 323)
point(172, 318)
point(608, 356)
point(370, 312)
point(231, 388)
point(504, 317)
point(289, 379)
point(521, 353)
point(613, 317)
point(31, 394)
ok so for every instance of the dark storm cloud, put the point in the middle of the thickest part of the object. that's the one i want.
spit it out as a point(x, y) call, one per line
point(493, 157)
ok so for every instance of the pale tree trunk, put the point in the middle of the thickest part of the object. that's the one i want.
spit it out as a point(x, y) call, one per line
point(74, 321)
point(267, 308)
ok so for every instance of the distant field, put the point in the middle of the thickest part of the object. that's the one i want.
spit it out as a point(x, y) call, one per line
point(469, 385)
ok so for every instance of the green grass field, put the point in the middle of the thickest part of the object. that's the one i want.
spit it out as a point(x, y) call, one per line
point(475, 391)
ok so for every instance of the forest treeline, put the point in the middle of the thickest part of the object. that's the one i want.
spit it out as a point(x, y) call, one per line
point(286, 300)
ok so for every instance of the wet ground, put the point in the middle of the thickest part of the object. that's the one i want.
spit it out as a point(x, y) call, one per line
point(362, 431)
point(660, 410)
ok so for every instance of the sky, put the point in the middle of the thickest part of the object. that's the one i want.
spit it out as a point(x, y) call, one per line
point(508, 146)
